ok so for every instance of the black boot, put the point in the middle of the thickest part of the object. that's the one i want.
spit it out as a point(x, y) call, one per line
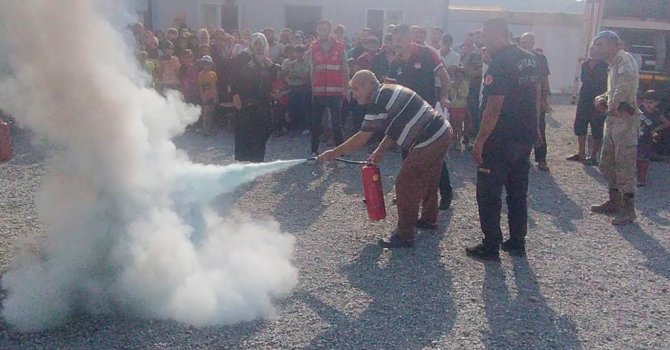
point(483, 252)
point(514, 247)
point(445, 201)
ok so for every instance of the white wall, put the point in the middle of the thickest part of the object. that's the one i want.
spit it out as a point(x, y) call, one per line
point(164, 12)
point(258, 14)
point(559, 35)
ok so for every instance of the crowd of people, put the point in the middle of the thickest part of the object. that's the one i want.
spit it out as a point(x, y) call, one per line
point(413, 91)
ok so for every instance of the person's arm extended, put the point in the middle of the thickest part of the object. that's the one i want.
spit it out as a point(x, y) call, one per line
point(489, 120)
point(384, 146)
point(353, 143)
point(445, 83)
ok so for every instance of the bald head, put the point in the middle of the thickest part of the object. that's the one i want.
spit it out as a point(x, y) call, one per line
point(363, 86)
point(527, 41)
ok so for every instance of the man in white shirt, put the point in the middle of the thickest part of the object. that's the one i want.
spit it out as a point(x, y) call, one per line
point(448, 56)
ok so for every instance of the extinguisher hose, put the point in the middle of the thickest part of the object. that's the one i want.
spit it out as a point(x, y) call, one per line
point(347, 161)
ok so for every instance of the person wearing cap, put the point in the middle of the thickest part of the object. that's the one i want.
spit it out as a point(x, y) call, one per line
point(622, 124)
point(251, 87)
point(511, 107)
point(209, 95)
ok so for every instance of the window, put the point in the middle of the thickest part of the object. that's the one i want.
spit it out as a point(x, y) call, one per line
point(377, 20)
point(647, 9)
point(209, 14)
point(303, 18)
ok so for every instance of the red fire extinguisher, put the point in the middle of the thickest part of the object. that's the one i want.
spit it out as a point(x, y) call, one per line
point(5, 142)
point(374, 195)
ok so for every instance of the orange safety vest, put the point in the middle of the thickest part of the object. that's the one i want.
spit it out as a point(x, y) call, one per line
point(327, 74)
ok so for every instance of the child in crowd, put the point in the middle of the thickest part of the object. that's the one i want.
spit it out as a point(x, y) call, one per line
point(280, 98)
point(289, 55)
point(149, 68)
point(209, 96)
point(654, 117)
point(173, 35)
point(297, 78)
point(458, 95)
point(168, 68)
point(204, 50)
point(182, 42)
point(188, 77)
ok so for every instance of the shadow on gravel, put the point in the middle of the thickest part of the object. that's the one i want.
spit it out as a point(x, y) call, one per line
point(593, 172)
point(546, 196)
point(552, 122)
point(301, 189)
point(524, 320)
point(658, 258)
point(411, 304)
point(650, 198)
point(119, 332)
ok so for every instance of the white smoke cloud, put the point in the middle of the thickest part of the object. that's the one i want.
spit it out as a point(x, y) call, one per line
point(127, 215)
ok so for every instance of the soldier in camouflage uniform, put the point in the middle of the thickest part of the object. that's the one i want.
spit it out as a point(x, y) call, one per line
point(619, 149)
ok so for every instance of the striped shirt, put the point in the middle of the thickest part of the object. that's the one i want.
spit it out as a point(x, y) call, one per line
point(409, 120)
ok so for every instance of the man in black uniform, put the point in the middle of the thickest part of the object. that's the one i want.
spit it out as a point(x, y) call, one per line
point(505, 140)
point(415, 67)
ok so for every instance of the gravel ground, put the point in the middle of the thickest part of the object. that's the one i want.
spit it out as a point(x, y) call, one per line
point(585, 284)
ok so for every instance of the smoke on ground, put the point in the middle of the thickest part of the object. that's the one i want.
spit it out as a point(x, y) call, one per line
point(128, 224)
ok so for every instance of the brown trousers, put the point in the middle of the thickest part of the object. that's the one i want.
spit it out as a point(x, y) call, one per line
point(416, 185)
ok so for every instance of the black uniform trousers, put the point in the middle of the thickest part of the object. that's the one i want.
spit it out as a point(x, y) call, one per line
point(504, 165)
point(541, 150)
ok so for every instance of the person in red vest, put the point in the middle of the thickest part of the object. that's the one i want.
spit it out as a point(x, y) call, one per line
point(327, 59)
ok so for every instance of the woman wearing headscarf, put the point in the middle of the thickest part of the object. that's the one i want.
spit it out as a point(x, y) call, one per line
point(251, 89)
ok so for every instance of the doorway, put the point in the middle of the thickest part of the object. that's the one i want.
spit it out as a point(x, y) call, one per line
point(303, 18)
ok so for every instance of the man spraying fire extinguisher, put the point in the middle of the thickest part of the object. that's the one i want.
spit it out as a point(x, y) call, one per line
point(418, 129)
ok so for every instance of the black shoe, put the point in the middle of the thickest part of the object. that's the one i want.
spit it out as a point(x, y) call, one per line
point(514, 247)
point(575, 158)
point(425, 225)
point(591, 161)
point(482, 252)
point(445, 202)
point(396, 242)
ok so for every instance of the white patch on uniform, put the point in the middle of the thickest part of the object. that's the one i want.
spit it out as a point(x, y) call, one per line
point(418, 65)
point(488, 79)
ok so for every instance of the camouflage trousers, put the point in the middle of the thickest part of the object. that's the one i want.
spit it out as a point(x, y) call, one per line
point(619, 152)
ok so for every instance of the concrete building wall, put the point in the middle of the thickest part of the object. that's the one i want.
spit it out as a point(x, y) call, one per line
point(559, 35)
point(258, 14)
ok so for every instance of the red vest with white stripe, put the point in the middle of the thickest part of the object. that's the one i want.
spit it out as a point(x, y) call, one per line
point(327, 74)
